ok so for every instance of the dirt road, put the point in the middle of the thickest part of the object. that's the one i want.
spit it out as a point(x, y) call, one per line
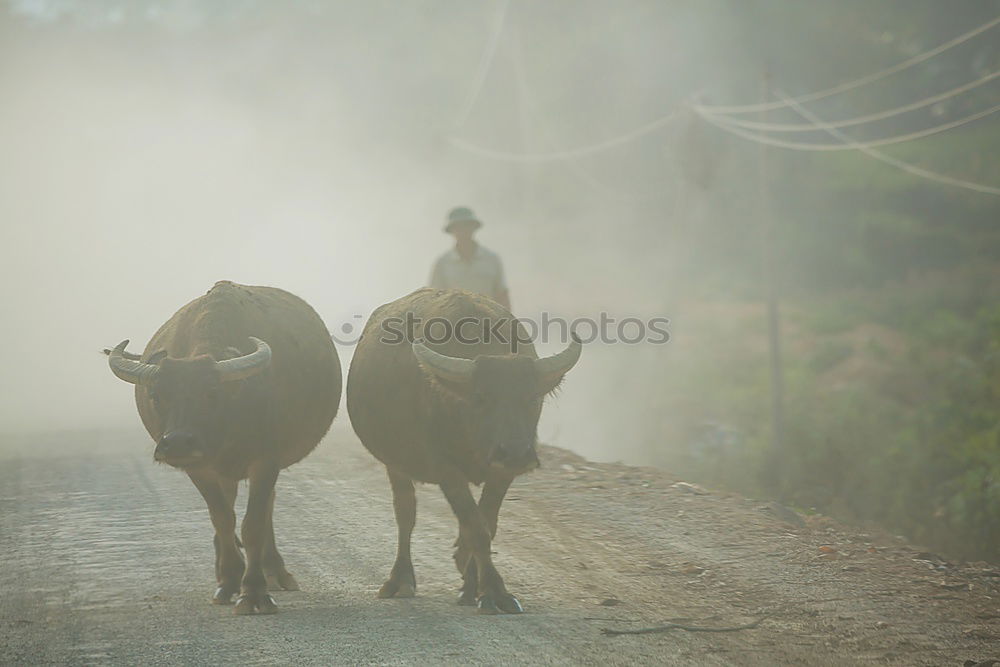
point(106, 558)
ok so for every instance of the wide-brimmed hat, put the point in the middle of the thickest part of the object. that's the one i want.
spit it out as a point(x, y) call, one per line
point(459, 215)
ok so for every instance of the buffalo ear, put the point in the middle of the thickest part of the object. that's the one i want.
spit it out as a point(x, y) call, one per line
point(157, 357)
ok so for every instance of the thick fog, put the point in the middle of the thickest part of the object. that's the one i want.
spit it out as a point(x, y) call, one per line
point(152, 148)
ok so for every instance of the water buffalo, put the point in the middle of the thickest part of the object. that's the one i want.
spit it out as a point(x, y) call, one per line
point(451, 413)
point(239, 384)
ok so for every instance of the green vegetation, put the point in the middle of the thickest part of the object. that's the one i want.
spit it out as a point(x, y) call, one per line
point(891, 417)
point(890, 290)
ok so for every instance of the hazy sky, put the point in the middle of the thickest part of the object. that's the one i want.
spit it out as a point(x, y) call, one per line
point(151, 148)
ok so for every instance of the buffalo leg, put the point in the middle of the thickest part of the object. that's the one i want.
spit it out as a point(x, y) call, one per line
point(474, 537)
point(402, 582)
point(274, 565)
point(490, 500)
point(253, 592)
point(220, 496)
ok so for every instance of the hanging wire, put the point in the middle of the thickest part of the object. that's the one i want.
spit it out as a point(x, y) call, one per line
point(882, 157)
point(569, 154)
point(485, 64)
point(716, 116)
point(566, 156)
point(801, 146)
point(881, 115)
point(732, 124)
point(581, 174)
point(856, 83)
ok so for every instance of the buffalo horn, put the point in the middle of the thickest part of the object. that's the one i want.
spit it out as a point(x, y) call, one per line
point(551, 369)
point(248, 365)
point(454, 369)
point(133, 372)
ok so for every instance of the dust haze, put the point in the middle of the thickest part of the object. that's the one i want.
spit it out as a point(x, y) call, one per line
point(153, 148)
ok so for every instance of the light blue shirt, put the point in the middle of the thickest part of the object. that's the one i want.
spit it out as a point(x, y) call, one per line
point(482, 273)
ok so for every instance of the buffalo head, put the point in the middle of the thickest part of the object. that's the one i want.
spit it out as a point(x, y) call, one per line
point(188, 397)
point(502, 397)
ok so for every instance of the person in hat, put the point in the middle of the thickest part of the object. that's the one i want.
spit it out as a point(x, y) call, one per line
point(469, 265)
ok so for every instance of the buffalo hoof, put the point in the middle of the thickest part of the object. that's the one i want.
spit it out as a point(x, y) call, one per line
point(504, 603)
point(467, 599)
point(283, 580)
point(397, 589)
point(223, 595)
point(255, 603)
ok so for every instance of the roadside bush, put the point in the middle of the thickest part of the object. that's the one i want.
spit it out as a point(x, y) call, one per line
point(909, 438)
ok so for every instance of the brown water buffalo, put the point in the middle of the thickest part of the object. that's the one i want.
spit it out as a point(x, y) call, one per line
point(451, 413)
point(239, 384)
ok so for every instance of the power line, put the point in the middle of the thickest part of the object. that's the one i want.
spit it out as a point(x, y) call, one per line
point(857, 83)
point(800, 146)
point(485, 63)
point(881, 115)
point(568, 154)
point(716, 115)
point(731, 124)
point(882, 157)
point(531, 110)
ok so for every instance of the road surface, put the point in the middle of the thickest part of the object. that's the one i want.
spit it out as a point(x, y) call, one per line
point(106, 558)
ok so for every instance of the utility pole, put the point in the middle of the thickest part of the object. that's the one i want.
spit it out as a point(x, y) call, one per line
point(774, 475)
